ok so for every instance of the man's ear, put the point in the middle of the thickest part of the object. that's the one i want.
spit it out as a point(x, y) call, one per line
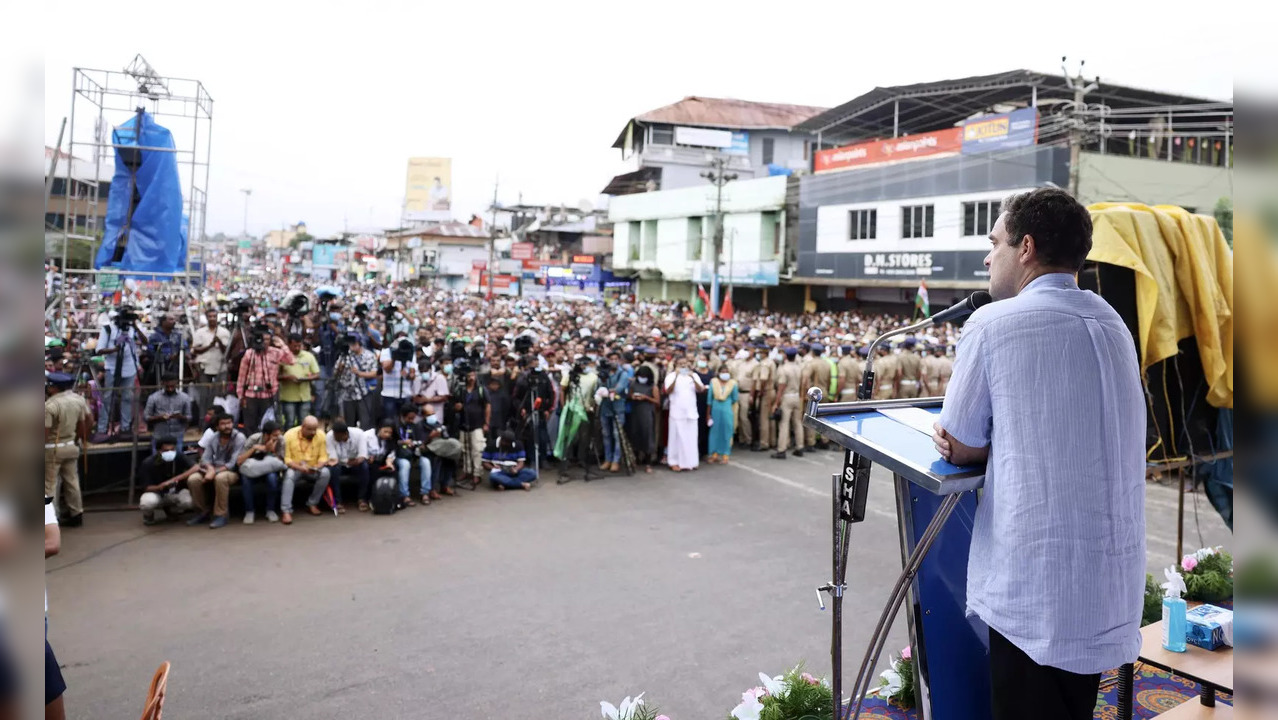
point(1027, 252)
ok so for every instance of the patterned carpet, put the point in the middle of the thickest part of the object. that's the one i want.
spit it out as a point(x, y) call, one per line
point(1156, 692)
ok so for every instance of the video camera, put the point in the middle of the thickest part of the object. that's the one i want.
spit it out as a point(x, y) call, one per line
point(523, 344)
point(296, 304)
point(361, 309)
point(125, 317)
point(402, 352)
point(257, 340)
point(388, 310)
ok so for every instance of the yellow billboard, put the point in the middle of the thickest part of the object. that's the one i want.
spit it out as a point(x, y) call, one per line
point(428, 190)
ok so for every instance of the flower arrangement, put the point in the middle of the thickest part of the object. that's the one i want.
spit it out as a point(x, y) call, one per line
point(630, 710)
point(793, 696)
point(897, 685)
point(1209, 575)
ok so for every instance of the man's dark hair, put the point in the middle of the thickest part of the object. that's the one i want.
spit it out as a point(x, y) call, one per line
point(1060, 225)
point(165, 441)
point(218, 418)
point(295, 337)
point(169, 377)
point(339, 427)
point(269, 427)
point(407, 409)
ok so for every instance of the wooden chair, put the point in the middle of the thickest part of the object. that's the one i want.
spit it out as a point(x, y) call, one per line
point(155, 695)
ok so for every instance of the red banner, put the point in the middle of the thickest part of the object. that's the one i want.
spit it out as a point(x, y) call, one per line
point(522, 251)
point(906, 147)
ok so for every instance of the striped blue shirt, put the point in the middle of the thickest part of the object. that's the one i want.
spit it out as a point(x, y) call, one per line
point(1050, 381)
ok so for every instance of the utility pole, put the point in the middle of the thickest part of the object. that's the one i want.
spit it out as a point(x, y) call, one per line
point(247, 192)
point(719, 178)
point(1080, 87)
point(492, 239)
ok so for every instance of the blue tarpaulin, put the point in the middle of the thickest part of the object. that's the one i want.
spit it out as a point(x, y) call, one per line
point(145, 227)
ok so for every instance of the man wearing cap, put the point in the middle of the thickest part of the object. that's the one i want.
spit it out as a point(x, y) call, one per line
point(787, 400)
point(765, 385)
point(937, 370)
point(910, 369)
point(887, 373)
point(850, 370)
point(821, 374)
point(119, 351)
point(66, 421)
point(744, 370)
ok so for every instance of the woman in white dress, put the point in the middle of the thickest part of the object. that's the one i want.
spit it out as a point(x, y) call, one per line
point(682, 387)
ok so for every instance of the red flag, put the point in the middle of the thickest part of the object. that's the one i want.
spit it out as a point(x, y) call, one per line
point(704, 304)
point(727, 312)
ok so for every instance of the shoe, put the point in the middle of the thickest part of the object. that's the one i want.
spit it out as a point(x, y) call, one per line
point(74, 521)
point(798, 453)
point(218, 522)
point(271, 516)
point(287, 518)
point(198, 520)
point(447, 491)
point(755, 448)
point(249, 518)
point(434, 494)
point(779, 455)
point(149, 521)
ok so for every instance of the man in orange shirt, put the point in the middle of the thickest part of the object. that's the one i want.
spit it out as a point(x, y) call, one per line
point(306, 455)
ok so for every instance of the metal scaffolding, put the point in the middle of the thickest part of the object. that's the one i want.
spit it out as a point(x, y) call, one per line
point(100, 100)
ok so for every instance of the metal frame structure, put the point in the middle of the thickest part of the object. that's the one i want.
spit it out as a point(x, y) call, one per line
point(99, 100)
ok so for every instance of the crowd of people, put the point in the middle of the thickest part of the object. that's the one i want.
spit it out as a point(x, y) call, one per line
point(326, 385)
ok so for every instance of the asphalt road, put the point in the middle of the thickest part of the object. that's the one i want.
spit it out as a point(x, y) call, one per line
point(490, 605)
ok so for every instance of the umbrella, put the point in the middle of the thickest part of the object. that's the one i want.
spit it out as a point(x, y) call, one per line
point(328, 495)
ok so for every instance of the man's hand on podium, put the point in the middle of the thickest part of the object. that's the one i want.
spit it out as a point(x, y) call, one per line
point(956, 452)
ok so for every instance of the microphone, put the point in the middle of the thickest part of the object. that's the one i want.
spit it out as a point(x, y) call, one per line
point(962, 309)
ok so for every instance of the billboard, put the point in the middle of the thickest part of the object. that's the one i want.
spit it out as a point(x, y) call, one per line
point(1018, 128)
point(756, 274)
point(522, 251)
point(906, 147)
point(428, 190)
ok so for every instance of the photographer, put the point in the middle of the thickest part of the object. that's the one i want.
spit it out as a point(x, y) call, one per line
point(398, 372)
point(432, 391)
point(119, 350)
point(295, 382)
point(470, 402)
point(505, 464)
point(263, 457)
point(259, 375)
point(209, 352)
point(612, 409)
point(330, 335)
point(411, 440)
point(534, 394)
point(165, 344)
point(355, 367)
point(239, 338)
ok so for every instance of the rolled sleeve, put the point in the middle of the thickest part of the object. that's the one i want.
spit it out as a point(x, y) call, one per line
point(967, 413)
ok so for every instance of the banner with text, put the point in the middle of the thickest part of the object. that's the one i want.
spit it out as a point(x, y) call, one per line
point(906, 147)
point(1016, 129)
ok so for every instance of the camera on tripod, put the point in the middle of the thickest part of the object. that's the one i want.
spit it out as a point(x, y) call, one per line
point(523, 344)
point(388, 311)
point(125, 317)
point(402, 352)
point(296, 304)
point(257, 340)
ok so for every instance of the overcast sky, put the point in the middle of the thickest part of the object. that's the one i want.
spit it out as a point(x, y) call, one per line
point(318, 111)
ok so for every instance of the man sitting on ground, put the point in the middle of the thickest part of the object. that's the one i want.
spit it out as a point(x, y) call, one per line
point(162, 476)
point(263, 457)
point(306, 455)
point(346, 456)
point(217, 466)
point(505, 463)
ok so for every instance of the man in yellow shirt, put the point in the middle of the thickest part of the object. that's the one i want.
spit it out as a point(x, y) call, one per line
point(295, 382)
point(306, 455)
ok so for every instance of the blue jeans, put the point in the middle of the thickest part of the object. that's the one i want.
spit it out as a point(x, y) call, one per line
point(272, 490)
point(404, 466)
point(611, 438)
point(128, 395)
point(391, 405)
point(504, 479)
point(295, 412)
point(359, 472)
point(320, 385)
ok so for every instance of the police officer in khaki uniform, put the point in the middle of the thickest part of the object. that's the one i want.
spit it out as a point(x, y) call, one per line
point(744, 371)
point(945, 368)
point(911, 365)
point(765, 381)
point(929, 377)
point(787, 399)
point(850, 370)
point(821, 374)
point(887, 373)
point(66, 421)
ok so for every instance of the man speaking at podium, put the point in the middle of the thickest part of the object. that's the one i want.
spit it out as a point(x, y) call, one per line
point(1046, 391)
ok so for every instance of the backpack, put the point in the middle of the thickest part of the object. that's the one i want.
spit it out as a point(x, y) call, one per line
point(385, 496)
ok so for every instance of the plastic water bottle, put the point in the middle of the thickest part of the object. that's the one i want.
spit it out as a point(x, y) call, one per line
point(1174, 624)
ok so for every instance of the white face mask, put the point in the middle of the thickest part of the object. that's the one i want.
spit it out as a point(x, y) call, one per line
point(725, 376)
point(642, 380)
point(168, 455)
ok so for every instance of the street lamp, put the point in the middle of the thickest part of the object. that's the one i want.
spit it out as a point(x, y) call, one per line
point(247, 192)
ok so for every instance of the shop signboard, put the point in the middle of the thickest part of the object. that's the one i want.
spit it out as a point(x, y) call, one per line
point(1007, 131)
point(875, 152)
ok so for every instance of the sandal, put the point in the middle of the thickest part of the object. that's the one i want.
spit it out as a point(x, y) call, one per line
point(363, 506)
point(408, 502)
point(425, 499)
point(341, 509)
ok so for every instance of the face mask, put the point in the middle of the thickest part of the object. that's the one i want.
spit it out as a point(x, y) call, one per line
point(168, 455)
point(448, 369)
point(758, 356)
point(725, 376)
point(642, 381)
point(702, 363)
point(723, 356)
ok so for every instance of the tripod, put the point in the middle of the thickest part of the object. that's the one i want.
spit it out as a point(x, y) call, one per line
point(327, 402)
point(584, 448)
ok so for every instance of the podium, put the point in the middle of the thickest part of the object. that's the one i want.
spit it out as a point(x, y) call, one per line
point(936, 504)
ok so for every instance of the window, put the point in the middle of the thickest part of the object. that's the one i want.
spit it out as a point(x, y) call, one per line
point(650, 240)
point(863, 224)
point(979, 217)
point(696, 241)
point(916, 221)
point(59, 186)
point(807, 150)
point(768, 235)
point(662, 135)
point(632, 237)
point(767, 150)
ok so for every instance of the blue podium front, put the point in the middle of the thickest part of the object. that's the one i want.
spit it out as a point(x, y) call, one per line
point(950, 650)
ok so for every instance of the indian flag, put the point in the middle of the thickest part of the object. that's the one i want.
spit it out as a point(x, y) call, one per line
point(701, 303)
point(920, 300)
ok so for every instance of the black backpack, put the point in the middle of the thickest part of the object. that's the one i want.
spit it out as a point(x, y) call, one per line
point(385, 500)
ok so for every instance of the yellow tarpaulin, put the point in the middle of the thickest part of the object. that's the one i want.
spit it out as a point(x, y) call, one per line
point(1184, 284)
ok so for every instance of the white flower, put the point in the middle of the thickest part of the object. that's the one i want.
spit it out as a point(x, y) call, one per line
point(1202, 553)
point(749, 708)
point(775, 686)
point(625, 712)
point(894, 684)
